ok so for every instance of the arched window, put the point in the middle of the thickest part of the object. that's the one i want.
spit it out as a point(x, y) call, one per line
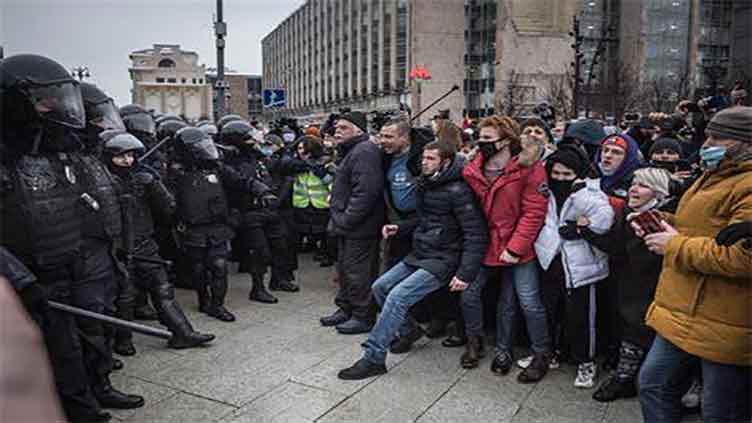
point(166, 63)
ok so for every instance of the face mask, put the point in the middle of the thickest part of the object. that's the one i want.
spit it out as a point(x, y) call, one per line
point(266, 151)
point(669, 166)
point(560, 189)
point(488, 149)
point(288, 137)
point(711, 157)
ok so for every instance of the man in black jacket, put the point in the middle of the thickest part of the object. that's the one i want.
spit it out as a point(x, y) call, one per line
point(449, 241)
point(357, 214)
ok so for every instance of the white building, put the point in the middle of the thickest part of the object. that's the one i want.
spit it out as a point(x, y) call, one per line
point(170, 80)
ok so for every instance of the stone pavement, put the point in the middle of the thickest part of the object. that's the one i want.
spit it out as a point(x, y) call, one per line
point(276, 363)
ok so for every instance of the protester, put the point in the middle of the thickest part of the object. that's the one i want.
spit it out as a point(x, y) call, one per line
point(449, 240)
point(701, 306)
point(571, 265)
point(357, 215)
point(514, 200)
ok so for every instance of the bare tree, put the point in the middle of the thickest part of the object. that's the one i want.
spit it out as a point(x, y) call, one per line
point(558, 92)
point(662, 94)
point(627, 90)
point(516, 96)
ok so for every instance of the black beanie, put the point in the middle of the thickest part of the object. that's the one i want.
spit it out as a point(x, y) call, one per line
point(572, 157)
point(358, 119)
point(665, 143)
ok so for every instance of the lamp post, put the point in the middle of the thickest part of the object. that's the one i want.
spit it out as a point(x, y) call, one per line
point(80, 72)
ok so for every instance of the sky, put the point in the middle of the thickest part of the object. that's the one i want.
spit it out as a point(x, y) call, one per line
point(100, 34)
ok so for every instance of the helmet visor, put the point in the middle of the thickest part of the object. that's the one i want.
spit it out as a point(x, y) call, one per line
point(141, 122)
point(105, 115)
point(60, 103)
point(204, 149)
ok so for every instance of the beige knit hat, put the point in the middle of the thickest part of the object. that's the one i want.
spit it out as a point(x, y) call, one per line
point(656, 179)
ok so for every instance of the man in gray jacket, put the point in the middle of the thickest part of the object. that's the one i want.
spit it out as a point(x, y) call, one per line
point(357, 215)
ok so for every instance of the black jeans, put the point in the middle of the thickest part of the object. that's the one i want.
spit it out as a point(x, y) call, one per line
point(358, 266)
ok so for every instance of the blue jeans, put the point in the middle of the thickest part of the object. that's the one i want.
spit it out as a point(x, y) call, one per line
point(396, 291)
point(520, 283)
point(663, 380)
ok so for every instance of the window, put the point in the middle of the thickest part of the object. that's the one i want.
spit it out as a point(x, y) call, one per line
point(183, 80)
point(166, 63)
point(160, 80)
point(171, 80)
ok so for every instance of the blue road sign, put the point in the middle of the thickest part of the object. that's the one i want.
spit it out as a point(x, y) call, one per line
point(274, 98)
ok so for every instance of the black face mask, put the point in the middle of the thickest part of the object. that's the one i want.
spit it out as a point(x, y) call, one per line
point(488, 149)
point(669, 166)
point(561, 190)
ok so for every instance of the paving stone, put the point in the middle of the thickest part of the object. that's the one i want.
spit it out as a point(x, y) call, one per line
point(290, 402)
point(153, 394)
point(181, 408)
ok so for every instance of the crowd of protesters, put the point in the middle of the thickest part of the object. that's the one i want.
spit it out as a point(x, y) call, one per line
point(625, 252)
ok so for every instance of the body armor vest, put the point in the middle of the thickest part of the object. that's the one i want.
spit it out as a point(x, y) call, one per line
point(201, 198)
point(103, 217)
point(42, 210)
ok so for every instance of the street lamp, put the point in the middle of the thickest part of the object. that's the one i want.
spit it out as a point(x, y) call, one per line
point(80, 72)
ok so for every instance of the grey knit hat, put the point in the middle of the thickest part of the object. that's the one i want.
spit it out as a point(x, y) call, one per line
point(732, 123)
point(656, 179)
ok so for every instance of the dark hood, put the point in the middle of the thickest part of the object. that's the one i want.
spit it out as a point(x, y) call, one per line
point(588, 132)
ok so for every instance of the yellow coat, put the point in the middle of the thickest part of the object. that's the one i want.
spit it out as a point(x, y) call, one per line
point(703, 302)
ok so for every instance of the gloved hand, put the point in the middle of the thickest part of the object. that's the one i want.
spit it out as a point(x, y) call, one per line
point(269, 200)
point(569, 231)
point(732, 233)
point(34, 297)
point(143, 178)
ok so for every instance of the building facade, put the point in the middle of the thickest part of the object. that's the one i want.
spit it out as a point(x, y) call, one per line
point(167, 79)
point(255, 98)
point(236, 92)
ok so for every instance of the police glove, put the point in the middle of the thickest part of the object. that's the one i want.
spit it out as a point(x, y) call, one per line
point(269, 200)
point(731, 234)
point(569, 231)
point(143, 178)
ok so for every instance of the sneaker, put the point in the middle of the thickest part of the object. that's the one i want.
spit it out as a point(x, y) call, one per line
point(354, 326)
point(339, 316)
point(692, 398)
point(524, 363)
point(586, 375)
point(536, 370)
point(502, 363)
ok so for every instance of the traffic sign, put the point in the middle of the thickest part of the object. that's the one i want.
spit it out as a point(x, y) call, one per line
point(274, 98)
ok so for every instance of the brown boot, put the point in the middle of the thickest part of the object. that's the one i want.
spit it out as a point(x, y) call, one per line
point(473, 352)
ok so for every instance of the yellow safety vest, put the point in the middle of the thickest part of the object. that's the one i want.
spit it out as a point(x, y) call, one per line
point(309, 189)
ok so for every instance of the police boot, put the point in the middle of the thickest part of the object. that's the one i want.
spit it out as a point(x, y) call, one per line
point(279, 284)
point(259, 292)
point(183, 335)
point(216, 308)
point(109, 397)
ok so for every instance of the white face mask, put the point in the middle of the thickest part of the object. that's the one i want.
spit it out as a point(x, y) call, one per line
point(288, 137)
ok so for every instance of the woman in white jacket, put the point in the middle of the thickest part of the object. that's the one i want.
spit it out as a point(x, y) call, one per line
point(571, 264)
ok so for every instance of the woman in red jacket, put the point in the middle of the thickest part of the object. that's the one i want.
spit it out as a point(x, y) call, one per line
point(513, 192)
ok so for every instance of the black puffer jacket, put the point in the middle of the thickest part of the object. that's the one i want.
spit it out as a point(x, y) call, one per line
point(451, 233)
point(357, 203)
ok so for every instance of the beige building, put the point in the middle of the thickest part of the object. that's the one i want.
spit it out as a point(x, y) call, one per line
point(170, 80)
point(236, 93)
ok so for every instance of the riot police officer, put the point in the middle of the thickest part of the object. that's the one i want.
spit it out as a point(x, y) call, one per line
point(203, 215)
point(40, 206)
point(262, 237)
point(96, 288)
point(144, 195)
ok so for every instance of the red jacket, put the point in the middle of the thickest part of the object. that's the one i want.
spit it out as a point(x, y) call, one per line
point(515, 206)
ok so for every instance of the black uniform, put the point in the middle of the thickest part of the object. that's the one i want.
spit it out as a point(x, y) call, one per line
point(41, 209)
point(143, 194)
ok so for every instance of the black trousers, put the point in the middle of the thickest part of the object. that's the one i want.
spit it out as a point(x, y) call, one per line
point(358, 267)
point(264, 243)
point(63, 342)
point(209, 272)
point(93, 290)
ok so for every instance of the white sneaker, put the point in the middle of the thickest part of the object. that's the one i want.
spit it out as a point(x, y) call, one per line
point(586, 375)
point(524, 363)
point(692, 398)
